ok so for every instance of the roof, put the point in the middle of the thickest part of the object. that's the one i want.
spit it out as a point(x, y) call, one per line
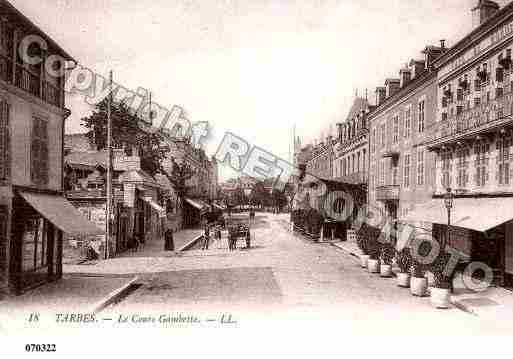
point(475, 36)
point(359, 103)
point(89, 158)
point(138, 176)
point(9, 8)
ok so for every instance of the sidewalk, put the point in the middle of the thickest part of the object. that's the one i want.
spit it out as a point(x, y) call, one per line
point(490, 304)
point(155, 247)
point(84, 294)
point(493, 303)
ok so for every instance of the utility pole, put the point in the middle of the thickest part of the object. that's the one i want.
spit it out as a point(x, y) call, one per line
point(109, 170)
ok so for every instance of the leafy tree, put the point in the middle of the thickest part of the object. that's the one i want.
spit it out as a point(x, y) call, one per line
point(127, 134)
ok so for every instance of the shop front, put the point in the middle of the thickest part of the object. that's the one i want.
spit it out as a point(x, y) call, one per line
point(481, 230)
point(39, 220)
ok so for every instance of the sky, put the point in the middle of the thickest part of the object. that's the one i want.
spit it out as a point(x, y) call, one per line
point(256, 68)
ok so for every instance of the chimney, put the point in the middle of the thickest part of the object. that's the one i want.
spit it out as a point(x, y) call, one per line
point(392, 86)
point(380, 95)
point(405, 76)
point(417, 67)
point(483, 11)
point(431, 53)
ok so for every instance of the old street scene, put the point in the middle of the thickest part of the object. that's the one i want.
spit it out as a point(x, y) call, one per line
point(271, 161)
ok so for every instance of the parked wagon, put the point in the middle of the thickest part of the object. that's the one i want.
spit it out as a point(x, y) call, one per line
point(238, 232)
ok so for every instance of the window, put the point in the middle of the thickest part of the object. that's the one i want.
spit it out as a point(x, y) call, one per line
point(481, 150)
point(383, 134)
point(382, 172)
point(420, 167)
point(39, 151)
point(477, 101)
point(503, 145)
point(5, 143)
point(462, 154)
point(421, 116)
point(406, 173)
point(446, 168)
point(407, 122)
point(34, 245)
point(374, 141)
point(396, 129)
point(3, 238)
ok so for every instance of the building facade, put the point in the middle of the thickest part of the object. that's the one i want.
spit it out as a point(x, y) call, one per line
point(33, 211)
point(351, 150)
point(473, 142)
point(401, 170)
point(319, 159)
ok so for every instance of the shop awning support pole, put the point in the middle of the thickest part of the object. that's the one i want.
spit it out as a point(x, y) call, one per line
point(109, 170)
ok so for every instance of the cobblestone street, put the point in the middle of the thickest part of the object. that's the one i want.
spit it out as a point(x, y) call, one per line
point(281, 274)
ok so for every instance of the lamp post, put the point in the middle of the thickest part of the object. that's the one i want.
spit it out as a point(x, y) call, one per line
point(449, 201)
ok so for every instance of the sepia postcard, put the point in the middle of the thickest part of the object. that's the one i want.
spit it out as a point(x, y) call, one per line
point(250, 178)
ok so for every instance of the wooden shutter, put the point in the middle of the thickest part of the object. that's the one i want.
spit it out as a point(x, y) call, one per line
point(5, 142)
point(39, 151)
point(3, 241)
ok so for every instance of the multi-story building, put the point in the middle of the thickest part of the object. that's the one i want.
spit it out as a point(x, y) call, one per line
point(319, 159)
point(138, 201)
point(33, 211)
point(202, 187)
point(401, 170)
point(473, 142)
point(351, 148)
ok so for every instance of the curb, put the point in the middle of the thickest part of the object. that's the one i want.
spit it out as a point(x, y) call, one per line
point(112, 296)
point(190, 243)
point(346, 250)
point(463, 307)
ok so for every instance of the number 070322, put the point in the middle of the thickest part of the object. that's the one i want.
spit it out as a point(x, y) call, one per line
point(40, 348)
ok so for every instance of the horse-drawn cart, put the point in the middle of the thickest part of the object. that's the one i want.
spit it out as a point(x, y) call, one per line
point(238, 232)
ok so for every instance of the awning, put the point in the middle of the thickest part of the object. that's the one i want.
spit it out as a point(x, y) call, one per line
point(219, 207)
point(61, 213)
point(479, 214)
point(160, 210)
point(195, 204)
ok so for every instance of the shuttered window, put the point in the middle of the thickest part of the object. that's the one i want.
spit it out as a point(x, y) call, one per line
point(39, 151)
point(5, 142)
point(3, 241)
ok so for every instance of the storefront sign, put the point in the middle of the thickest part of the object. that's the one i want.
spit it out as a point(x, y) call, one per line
point(502, 33)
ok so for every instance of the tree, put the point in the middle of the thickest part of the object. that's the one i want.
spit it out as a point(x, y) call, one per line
point(279, 199)
point(259, 195)
point(127, 134)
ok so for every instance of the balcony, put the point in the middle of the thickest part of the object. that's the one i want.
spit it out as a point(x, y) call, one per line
point(29, 81)
point(354, 178)
point(481, 119)
point(387, 193)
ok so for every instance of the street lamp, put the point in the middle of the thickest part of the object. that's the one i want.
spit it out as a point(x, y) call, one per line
point(448, 201)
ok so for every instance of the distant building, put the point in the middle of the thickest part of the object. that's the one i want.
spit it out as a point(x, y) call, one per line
point(351, 150)
point(138, 203)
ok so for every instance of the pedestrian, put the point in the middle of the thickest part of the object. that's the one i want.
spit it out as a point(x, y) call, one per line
point(169, 242)
point(206, 237)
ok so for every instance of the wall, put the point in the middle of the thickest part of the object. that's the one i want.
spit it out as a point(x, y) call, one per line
point(23, 108)
point(423, 90)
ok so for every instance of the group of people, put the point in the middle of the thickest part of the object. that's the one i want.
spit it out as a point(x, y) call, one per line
point(210, 229)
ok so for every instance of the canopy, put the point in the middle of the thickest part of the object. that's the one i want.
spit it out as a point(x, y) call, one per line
point(196, 204)
point(61, 213)
point(160, 210)
point(218, 206)
point(479, 214)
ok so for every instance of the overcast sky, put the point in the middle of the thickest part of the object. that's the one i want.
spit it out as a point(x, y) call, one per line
point(253, 67)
